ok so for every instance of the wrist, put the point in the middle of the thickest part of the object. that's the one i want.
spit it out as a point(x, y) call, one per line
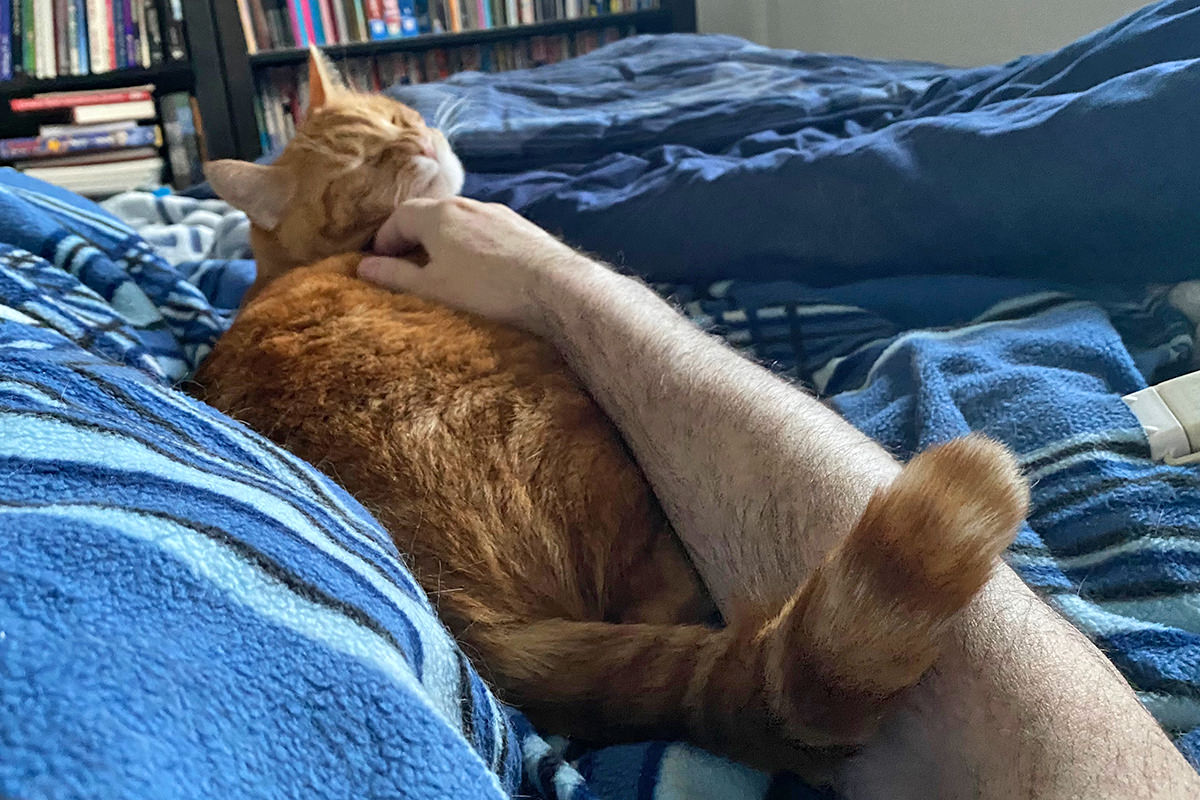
point(565, 286)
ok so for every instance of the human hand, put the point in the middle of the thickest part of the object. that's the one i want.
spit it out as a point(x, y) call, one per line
point(482, 257)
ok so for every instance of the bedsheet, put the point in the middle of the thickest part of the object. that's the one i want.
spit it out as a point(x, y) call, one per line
point(691, 158)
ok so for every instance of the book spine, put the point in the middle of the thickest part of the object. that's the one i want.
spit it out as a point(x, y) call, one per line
point(43, 20)
point(247, 29)
point(129, 33)
point(376, 26)
point(456, 20)
point(407, 11)
point(341, 21)
point(171, 14)
point(33, 147)
point(312, 19)
point(154, 40)
point(297, 23)
point(117, 33)
point(528, 14)
point(71, 100)
point(143, 20)
point(305, 16)
point(77, 21)
point(391, 18)
point(95, 34)
point(325, 14)
point(117, 10)
point(62, 50)
point(483, 13)
point(360, 21)
point(6, 33)
point(28, 39)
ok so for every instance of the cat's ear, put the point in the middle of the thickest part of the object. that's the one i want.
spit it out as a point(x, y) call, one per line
point(323, 80)
point(263, 192)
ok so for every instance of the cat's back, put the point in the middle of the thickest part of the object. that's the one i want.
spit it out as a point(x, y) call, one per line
point(471, 442)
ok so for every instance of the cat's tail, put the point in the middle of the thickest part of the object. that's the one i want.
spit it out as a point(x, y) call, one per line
point(813, 679)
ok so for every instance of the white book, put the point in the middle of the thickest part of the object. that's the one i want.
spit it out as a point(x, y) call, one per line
point(100, 180)
point(99, 35)
point(143, 34)
point(43, 30)
point(114, 112)
point(512, 13)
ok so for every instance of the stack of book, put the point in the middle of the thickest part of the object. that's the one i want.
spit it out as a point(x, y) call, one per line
point(49, 38)
point(99, 143)
point(282, 92)
point(277, 24)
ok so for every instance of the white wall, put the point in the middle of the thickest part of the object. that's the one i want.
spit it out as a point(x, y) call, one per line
point(964, 32)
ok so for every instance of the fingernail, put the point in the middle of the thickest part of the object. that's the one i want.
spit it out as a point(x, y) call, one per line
point(371, 268)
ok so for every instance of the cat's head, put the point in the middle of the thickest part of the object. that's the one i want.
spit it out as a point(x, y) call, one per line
point(352, 160)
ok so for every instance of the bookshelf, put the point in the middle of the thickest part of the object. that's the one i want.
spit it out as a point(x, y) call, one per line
point(167, 72)
point(241, 68)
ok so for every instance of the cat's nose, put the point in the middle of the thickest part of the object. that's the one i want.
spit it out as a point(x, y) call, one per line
point(428, 150)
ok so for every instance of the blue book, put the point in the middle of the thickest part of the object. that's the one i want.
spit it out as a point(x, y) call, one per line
point(118, 33)
point(318, 28)
point(409, 25)
point(37, 146)
point(6, 54)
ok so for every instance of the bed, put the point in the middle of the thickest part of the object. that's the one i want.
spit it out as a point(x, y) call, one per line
point(185, 610)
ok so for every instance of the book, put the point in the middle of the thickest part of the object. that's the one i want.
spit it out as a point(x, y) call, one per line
point(357, 20)
point(184, 154)
point(312, 11)
point(116, 9)
point(62, 54)
point(97, 20)
point(37, 146)
point(6, 33)
point(71, 129)
point(341, 21)
point(376, 25)
point(43, 23)
point(139, 10)
point(296, 18)
point(324, 14)
point(391, 18)
point(153, 31)
point(77, 31)
point(111, 112)
point(243, 7)
point(407, 11)
point(29, 39)
point(528, 12)
point(129, 33)
point(171, 14)
point(483, 13)
point(53, 100)
point(101, 179)
point(98, 157)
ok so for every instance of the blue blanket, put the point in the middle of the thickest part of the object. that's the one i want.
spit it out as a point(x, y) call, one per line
point(694, 158)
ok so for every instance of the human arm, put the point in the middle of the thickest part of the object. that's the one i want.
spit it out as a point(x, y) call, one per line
point(760, 480)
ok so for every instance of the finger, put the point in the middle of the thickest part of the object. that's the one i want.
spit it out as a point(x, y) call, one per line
point(410, 225)
point(392, 273)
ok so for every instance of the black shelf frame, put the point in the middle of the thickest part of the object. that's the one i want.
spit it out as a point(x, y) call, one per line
point(172, 76)
point(237, 67)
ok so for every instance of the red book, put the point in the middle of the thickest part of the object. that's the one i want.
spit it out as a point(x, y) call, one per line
point(42, 102)
point(112, 39)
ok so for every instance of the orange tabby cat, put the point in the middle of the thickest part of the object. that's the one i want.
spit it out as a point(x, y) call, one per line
point(520, 510)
